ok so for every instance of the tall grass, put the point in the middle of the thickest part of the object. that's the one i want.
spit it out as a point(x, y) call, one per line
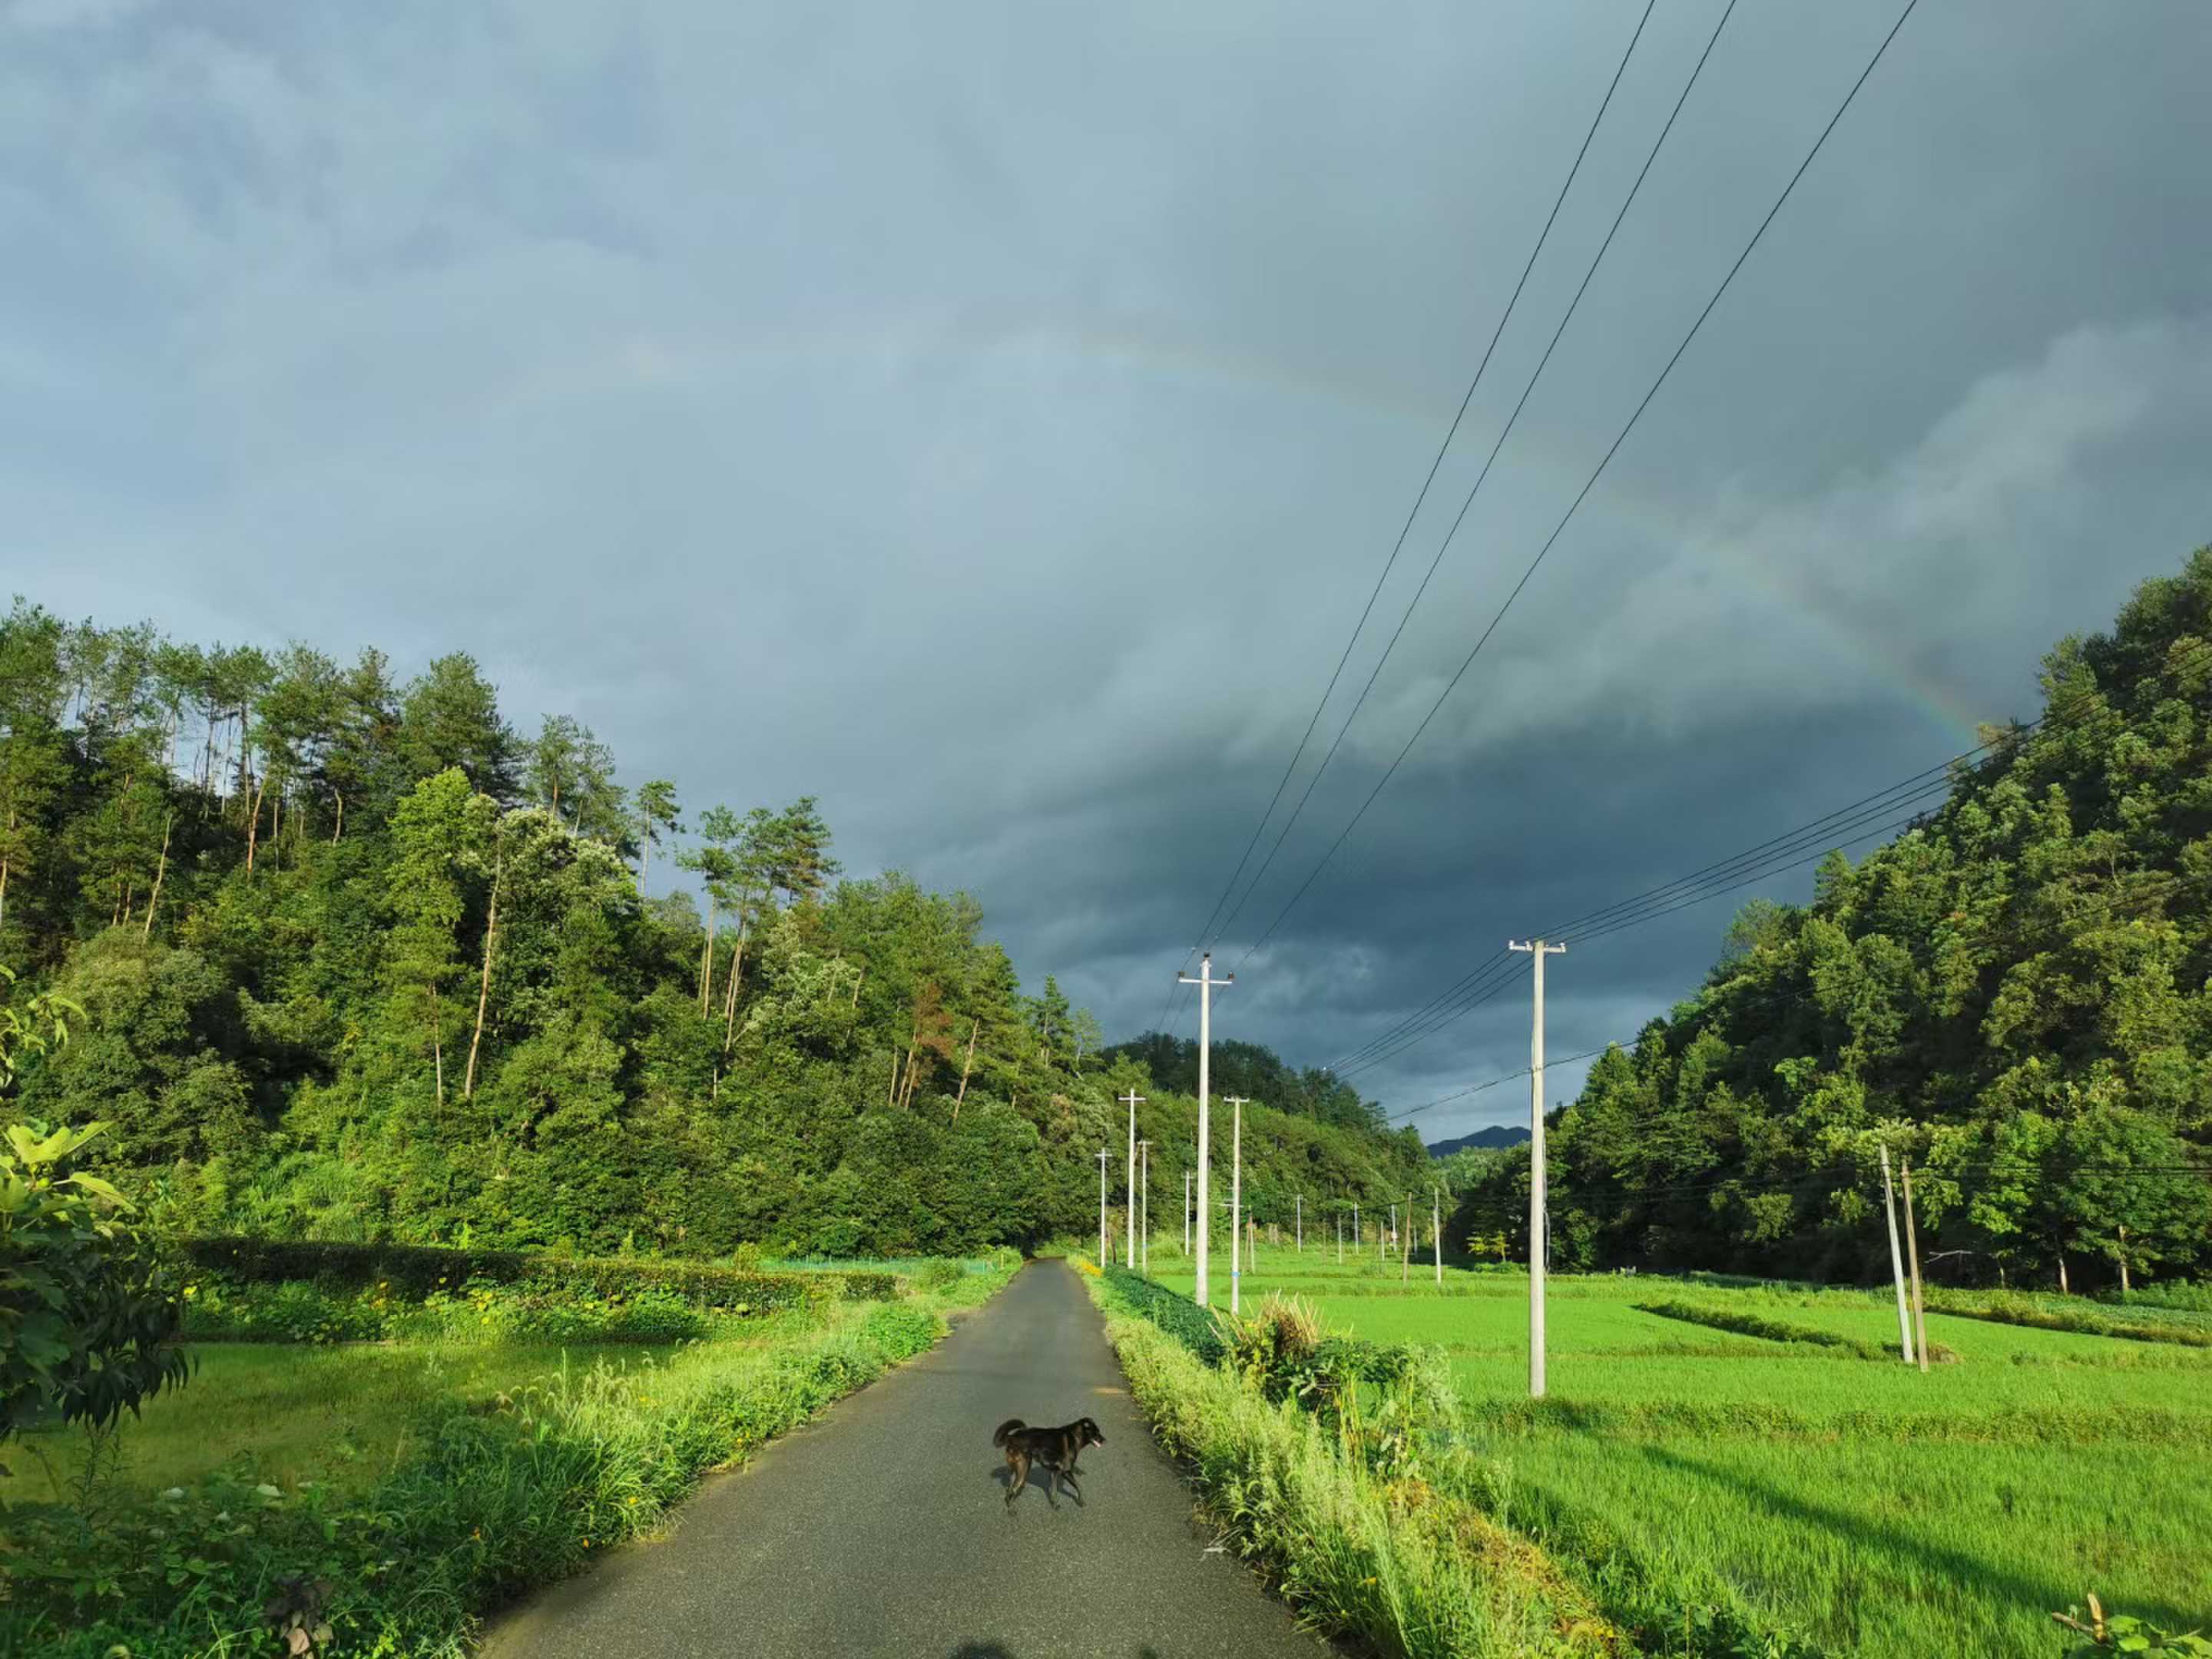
point(1381, 1553)
point(493, 1503)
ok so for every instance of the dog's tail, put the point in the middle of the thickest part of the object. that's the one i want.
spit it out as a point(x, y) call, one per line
point(1012, 1427)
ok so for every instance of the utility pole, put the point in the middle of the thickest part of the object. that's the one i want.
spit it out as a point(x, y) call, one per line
point(1145, 1204)
point(1913, 1251)
point(1300, 1210)
point(1101, 1209)
point(1355, 1235)
point(1437, 1232)
point(1205, 982)
point(1405, 1245)
point(1186, 1215)
point(1235, 1197)
point(1538, 950)
point(1896, 1262)
point(1132, 1100)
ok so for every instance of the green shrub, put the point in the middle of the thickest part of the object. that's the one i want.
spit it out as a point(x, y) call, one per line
point(419, 1271)
point(940, 1275)
point(2000, 1308)
point(88, 1310)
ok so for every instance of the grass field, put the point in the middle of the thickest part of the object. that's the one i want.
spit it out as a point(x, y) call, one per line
point(1853, 1503)
point(341, 1415)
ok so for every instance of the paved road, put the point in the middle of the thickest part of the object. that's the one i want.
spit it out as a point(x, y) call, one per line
point(880, 1529)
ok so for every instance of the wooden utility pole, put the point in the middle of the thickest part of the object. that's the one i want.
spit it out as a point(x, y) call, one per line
point(1132, 1100)
point(1912, 1250)
point(1356, 1239)
point(1301, 1220)
point(1235, 1198)
point(1537, 950)
point(1205, 983)
point(1896, 1260)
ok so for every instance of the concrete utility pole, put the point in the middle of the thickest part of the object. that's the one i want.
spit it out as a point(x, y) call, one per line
point(1300, 1208)
point(1235, 1197)
point(1896, 1262)
point(1132, 1100)
point(1145, 1204)
point(1186, 1214)
point(1537, 1239)
point(1205, 982)
point(1355, 1236)
point(1912, 1253)
point(1101, 1209)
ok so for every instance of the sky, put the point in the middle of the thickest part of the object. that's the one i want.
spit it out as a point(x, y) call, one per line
point(992, 420)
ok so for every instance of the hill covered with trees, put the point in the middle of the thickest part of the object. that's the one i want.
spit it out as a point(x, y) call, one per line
point(359, 960)
point(2016, 993)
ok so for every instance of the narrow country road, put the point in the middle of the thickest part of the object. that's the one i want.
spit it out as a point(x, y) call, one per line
point(880, 1528)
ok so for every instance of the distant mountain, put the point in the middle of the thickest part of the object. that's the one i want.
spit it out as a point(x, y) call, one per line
point(1484, 1140)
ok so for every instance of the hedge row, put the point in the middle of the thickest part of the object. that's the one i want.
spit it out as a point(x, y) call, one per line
point(421, 1270)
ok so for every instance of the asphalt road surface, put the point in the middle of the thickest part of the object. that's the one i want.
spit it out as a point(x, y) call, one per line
point(881, 1527)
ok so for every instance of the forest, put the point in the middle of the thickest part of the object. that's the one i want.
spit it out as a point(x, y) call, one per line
point(2016, 994)
point(357, 959)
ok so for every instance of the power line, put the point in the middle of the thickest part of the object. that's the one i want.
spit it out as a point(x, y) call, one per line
point(1768, 857)
point(1489, 461)
point(1405, 529)
point(1591, 482)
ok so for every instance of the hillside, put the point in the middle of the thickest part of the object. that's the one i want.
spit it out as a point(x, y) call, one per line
point(1482, 1141)
point(358, 959)
point(2016, 993)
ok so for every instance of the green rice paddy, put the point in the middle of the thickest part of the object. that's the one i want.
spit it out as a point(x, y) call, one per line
point(1855, 1504)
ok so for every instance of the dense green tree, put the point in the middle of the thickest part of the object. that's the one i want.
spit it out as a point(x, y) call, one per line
point(2016, 993)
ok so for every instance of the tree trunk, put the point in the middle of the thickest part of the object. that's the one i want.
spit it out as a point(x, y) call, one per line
point(2124, 1286)
point(906, 1092)
point(707, 961)
point(857, 978)
point(340, 829)
point(437, 1043)
point(737, 978)
point(253, 824)
point(161, 870)
point(2062, 1289)
point(484, 985)
point(966, 1065)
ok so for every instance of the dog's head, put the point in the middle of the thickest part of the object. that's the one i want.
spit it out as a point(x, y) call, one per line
point(1086, 1434)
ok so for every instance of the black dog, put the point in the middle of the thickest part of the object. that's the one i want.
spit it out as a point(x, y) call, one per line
point(1055, 1448)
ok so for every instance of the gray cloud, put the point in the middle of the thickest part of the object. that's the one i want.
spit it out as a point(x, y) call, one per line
point(991, 421)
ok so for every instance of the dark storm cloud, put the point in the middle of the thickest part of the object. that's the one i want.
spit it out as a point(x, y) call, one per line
point(992, 422)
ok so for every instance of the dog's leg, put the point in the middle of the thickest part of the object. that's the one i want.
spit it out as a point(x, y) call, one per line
point(1017, 1468)
point(1070, 1478)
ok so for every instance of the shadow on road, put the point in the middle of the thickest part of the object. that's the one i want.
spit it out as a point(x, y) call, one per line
point(1039, 1477)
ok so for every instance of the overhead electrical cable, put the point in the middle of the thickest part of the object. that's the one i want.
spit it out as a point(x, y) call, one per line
point(1590, 484)
point(1490, 460)
point(1844, 826)
point(1444, 448)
